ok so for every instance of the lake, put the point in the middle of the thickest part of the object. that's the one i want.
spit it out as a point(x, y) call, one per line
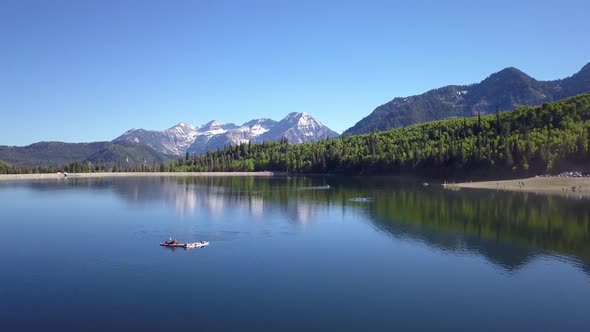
point(289, 254)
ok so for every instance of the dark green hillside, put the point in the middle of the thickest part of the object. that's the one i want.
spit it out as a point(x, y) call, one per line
point(506, 90)
point(49, 153)
point(576, 84)
point(6, 168)
point(56, 154)
point(528, 140)
point(127, 153)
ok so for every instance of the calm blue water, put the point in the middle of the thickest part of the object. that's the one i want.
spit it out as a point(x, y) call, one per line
point(287, 255)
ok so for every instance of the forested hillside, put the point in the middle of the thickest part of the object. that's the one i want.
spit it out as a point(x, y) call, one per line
point(505, 90)
point(47, 156)
point(48, 153)
point(6, 168)
point(528, 140)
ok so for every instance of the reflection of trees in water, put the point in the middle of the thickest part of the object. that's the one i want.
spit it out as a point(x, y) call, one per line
point(505, 254)
point(509, 229)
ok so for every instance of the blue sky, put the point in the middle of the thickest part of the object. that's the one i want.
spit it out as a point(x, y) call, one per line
point(80, 71)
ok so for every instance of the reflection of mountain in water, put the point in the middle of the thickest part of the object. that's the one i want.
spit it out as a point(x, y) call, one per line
point(211, 194)
point(508, 229)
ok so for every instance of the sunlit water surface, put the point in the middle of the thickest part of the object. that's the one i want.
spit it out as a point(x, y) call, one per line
point(289, 255)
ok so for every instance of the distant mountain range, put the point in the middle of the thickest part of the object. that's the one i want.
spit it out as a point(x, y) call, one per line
point(58, 154)
point(183, 137)
point(505, 90)
point(150, 147)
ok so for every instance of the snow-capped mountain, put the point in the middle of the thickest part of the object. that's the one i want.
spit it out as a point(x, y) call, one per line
point(296, 127)
point(208, 134)
point(174, 140)
point(181, 136)
point(252, 129)
point(232, 136)
point(212, 128)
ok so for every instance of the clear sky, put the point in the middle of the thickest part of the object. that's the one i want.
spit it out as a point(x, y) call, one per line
point(80, 71)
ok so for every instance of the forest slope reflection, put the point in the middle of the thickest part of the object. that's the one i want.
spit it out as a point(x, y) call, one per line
point(508, 229)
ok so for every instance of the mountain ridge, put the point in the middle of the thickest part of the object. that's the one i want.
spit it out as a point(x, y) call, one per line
point(57, 154)
point(297, 127)
point(505, 90)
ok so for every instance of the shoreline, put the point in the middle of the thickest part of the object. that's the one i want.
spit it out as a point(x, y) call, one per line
point(10, 177)
point(539, 185)
point(568, 186)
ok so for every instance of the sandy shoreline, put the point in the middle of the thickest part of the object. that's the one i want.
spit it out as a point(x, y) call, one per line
point(547, 185)
point(129, 174)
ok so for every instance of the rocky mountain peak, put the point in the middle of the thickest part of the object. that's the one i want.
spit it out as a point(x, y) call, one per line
point(300, 119)
point(585, 69)
point(298, 127)
point(260, 121)
point(183, 137)
point(507, 75)
point(296, 115)
point(506, 89)
point(182, 127)
point(212, 124)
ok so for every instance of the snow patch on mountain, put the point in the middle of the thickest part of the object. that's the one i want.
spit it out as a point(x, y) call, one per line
point(183, 137)
point(298, 128)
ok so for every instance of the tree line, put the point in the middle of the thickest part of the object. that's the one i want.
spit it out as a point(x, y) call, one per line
point(77, 167)
point(527, 140)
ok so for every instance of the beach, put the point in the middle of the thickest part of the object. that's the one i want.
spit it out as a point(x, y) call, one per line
point(7, 177)
point(578, 186)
